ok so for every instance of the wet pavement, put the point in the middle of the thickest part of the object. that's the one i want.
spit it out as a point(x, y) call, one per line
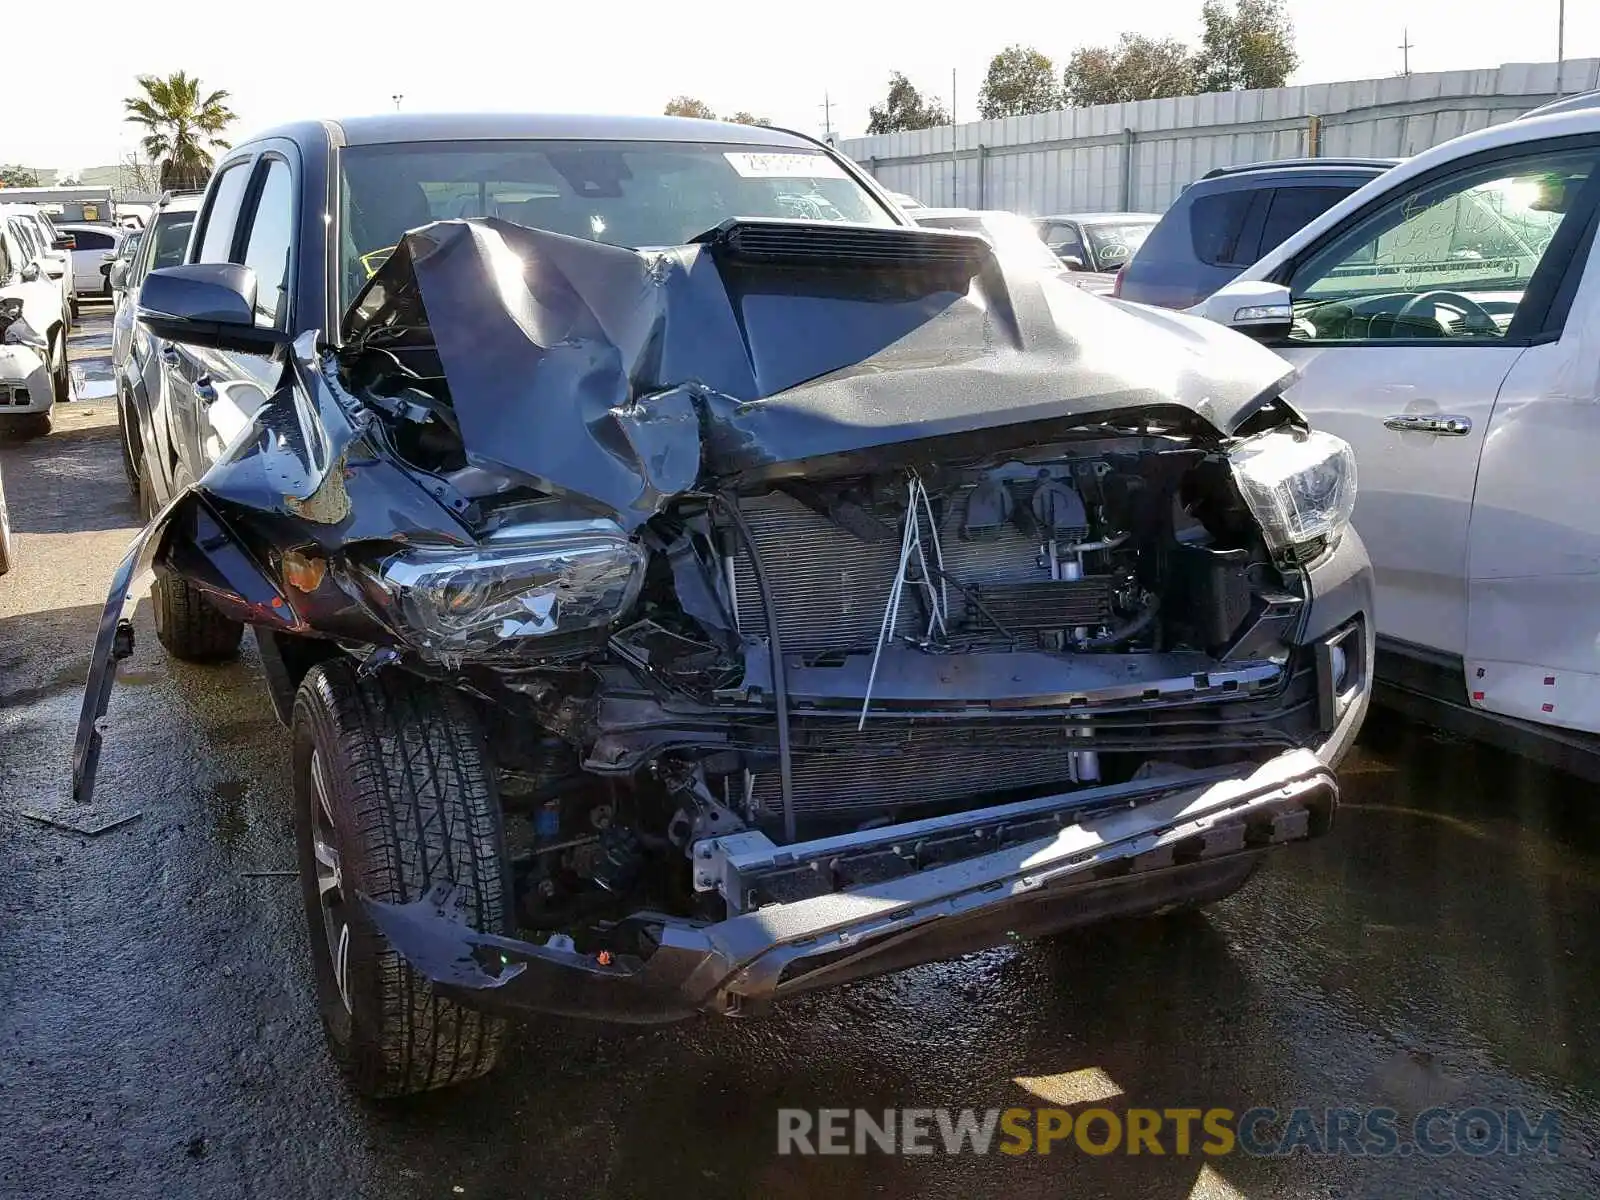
point(158, 1039)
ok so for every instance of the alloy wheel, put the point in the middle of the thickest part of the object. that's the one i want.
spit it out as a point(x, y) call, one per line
point(330, 879)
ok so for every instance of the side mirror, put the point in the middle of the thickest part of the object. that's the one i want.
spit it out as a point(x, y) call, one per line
point(206, 304)
point(117, 273)
point(31, 273)
point(1262, 310)
point(65, 241)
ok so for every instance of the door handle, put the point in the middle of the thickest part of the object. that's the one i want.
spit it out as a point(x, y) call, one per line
point(169, 354)
point(1444, 426)
point(205, 389)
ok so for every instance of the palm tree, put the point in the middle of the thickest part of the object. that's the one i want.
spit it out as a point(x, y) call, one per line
point(182, 126)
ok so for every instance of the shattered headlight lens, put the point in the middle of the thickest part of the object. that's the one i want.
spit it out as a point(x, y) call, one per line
point(1300, 486)
point(525, 584)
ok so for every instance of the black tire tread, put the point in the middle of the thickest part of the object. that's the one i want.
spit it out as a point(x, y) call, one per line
point(414, 773)
point(188, 626)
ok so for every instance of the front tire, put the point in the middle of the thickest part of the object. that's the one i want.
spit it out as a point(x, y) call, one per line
point(188, 626)
point(60, 379)
point(394, 793)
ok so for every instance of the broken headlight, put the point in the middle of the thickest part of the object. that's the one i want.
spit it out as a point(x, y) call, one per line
point(531, 582)
point(1300, 486)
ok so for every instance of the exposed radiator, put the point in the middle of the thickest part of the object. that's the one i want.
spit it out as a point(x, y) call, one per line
point(831, 588)
point(850, 773)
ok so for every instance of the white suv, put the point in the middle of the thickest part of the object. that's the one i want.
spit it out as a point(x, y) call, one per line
point(1445, 321)
point(33, 336)
point(95, 248)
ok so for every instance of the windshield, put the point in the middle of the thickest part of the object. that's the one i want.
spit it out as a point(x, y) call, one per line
point(171, 235)
point(1115, 244)
point(634, 194)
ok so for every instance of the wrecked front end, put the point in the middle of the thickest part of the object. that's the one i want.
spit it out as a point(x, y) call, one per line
point(832, 600)
point(25, 385)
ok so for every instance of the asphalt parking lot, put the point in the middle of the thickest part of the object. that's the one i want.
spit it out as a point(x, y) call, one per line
point(157, 1036)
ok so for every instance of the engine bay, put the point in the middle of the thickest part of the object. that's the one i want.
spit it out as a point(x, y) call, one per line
point(810, 656)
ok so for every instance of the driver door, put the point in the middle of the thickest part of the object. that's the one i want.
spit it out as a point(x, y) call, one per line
point(1410, 314)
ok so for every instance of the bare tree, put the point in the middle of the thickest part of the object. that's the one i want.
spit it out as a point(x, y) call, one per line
point(138, 174)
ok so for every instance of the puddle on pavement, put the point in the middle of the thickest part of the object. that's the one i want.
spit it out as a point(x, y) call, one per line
point(226, 803)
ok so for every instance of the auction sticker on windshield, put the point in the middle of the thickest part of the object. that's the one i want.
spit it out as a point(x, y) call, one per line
point(755, 165)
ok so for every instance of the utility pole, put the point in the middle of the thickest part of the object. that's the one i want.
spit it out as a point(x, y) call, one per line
point(1405, 51)
point(827, 117)
point(1561, 43)
point(954, 199)
point(397, 97)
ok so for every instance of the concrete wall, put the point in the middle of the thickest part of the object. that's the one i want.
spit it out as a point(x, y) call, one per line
point(1137, 157)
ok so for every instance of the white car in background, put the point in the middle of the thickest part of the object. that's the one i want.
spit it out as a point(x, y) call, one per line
point(95, 249)
point(51, 246)
point(1445, 321)
point(33, 335)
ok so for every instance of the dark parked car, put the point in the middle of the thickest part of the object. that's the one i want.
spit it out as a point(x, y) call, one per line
point(1229, 218)
point(137, 359)
point(687, 585)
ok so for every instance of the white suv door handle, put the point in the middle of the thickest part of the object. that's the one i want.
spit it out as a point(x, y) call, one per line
point(1417, 423)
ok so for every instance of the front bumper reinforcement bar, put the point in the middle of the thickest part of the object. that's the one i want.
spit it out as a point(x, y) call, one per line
point(1156, 827)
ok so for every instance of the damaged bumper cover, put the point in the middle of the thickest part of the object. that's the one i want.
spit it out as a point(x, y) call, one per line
point(956, 883)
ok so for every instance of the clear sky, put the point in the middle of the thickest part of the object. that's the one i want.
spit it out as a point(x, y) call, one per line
point(284, 59)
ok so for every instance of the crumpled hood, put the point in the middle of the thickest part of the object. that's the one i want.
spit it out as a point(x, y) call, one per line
point(624, 377)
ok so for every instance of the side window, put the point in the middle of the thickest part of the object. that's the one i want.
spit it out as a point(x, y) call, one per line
point(24, 236)
point(222, 214)
point(271, 237)
point(165, 243)
point(1448, 259)
point(1293, 208)
point(1063, 239)
point(89, 239)
point(1226, 226)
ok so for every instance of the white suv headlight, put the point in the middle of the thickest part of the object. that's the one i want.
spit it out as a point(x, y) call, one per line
point(521, 587)
point(1301, 488)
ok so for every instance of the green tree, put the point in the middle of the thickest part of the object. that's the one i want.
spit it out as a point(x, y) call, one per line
point(18, 177)
point(1249, 47)
point(1020, 81)
point(743, 118)
point(1136, 68)
point(688, 106)
point(182, 126)
point(905, 108)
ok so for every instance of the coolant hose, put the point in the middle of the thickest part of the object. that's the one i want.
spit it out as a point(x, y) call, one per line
point(1131, 629)
point(780, 681)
